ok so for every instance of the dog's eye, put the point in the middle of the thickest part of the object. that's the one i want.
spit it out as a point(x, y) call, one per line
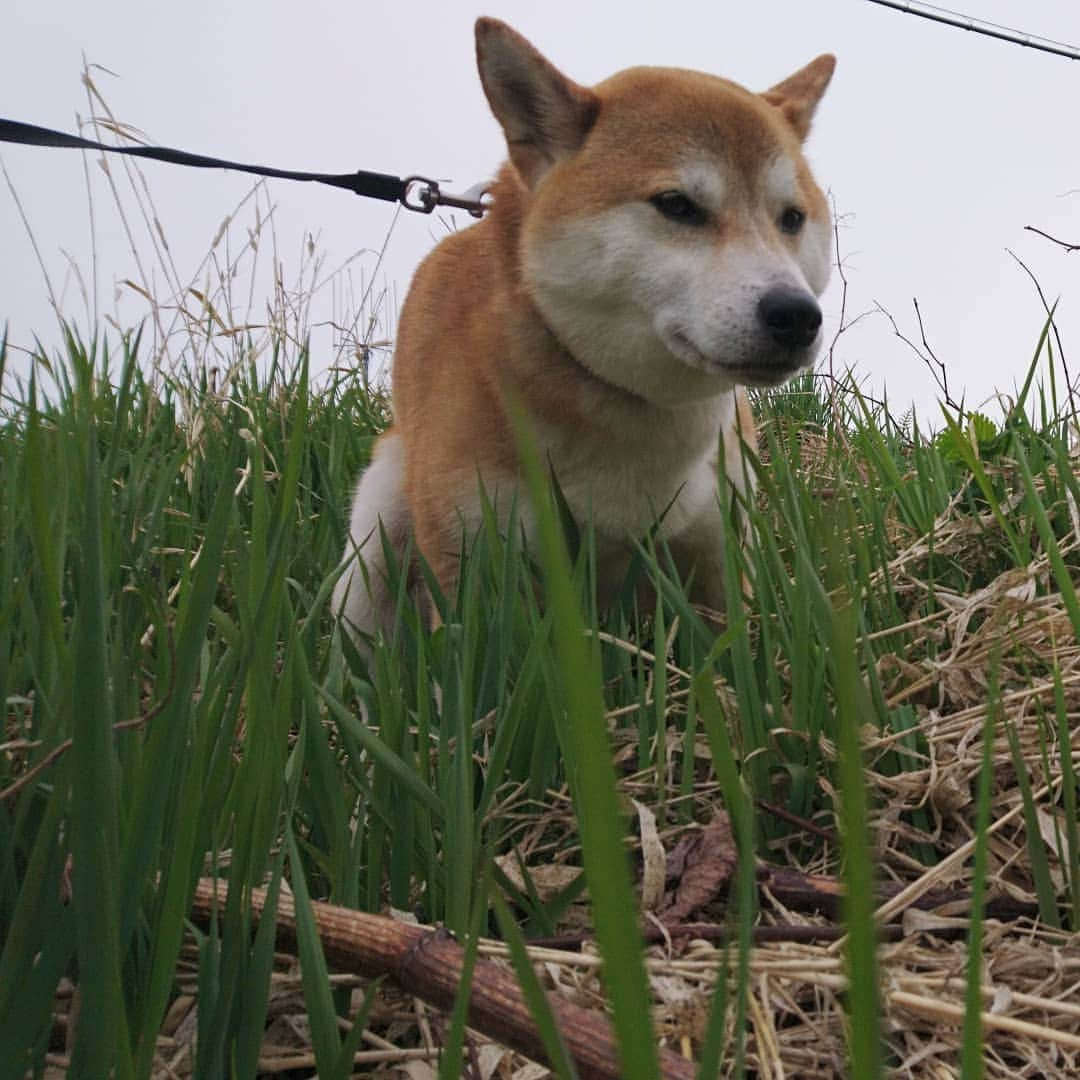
point(678, 207)
point(791, 220)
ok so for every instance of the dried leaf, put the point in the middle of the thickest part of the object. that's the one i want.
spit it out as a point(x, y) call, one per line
point(548, 879)
point(705, 866)
point(653, 858)
point(490, 1057)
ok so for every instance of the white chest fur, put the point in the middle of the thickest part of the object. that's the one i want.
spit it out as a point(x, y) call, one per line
point(637, 464)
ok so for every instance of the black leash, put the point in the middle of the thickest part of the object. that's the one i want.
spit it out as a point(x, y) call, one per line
point(413, 192)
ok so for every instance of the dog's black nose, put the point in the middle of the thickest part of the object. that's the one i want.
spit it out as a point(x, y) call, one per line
point(792, 316)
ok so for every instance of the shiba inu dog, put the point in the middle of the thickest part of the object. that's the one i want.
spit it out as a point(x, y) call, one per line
point(654, 245)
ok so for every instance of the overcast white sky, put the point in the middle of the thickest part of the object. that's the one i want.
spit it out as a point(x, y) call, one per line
point(938, 146)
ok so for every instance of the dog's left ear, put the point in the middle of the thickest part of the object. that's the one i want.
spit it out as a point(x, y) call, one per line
point(544, 115)
point(798, 95)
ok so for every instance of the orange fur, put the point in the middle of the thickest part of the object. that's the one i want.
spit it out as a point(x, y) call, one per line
point(596, 311)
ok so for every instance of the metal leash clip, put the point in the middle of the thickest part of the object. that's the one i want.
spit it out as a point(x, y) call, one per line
point(423, 195)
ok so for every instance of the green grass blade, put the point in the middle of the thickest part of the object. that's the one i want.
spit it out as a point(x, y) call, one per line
point(583, 735)
point(351, 1043)
point(450, 1058)
point(1040, 863)
point(166, 739)
point(398, 768)
point(740, 810)
point(38, 917)
point(1069, 800)
point(972, 1065)
point(1062, 577)
point(102, 1037)
point(535, 998)
point(252, 1032)
point(325, 1038)
point(859, 902)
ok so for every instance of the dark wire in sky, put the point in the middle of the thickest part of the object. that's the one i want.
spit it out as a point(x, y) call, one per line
point(978, 26)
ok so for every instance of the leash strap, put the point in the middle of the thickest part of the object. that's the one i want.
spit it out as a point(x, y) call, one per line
point(417, 193)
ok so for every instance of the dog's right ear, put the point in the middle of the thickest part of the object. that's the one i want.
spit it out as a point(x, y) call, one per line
point(544, 115)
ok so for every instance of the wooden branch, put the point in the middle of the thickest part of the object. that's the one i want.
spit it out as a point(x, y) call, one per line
point(427, 963)
point(803, 934)
point(1061, 243)
point(813, 892)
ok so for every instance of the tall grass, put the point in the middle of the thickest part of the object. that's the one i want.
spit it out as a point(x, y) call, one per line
point(179, 702)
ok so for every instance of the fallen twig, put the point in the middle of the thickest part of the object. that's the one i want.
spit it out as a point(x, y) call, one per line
point(814, 892)
point(952, 1013)
point(801, 933)
point(427, 963)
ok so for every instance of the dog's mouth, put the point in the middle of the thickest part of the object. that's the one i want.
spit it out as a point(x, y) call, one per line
point(770, 374)
point(682, 347)
point(767, 367)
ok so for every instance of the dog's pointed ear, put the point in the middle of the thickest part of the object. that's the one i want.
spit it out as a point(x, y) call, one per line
point(798, 95)
point(544, 115)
